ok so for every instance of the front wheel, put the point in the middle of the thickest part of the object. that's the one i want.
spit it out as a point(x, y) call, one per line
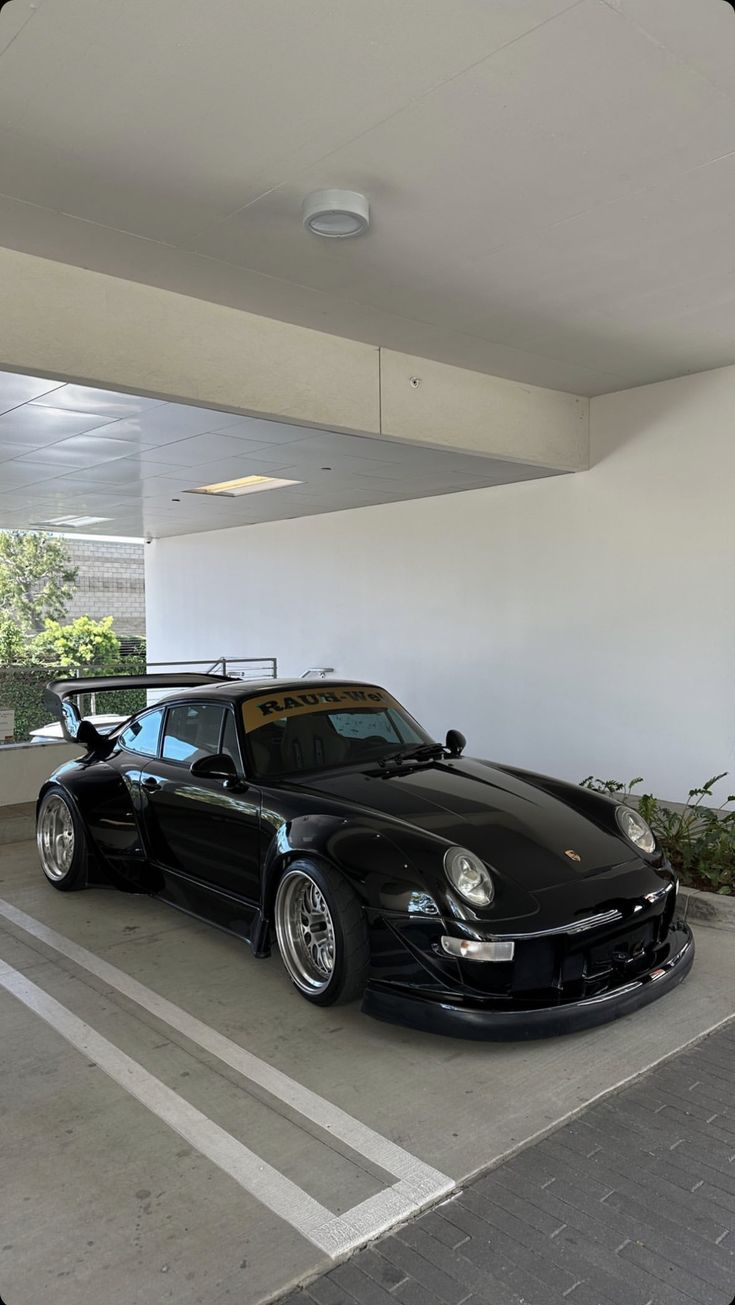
point(61, 843)
point(322, 935)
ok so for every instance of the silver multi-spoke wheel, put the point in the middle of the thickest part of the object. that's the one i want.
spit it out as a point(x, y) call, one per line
point(55, 837)
point(305, 932)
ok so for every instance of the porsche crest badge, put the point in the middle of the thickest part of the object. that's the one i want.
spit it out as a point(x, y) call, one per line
point(573, 856)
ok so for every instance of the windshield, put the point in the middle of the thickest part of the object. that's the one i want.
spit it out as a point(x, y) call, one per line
point(320, 729)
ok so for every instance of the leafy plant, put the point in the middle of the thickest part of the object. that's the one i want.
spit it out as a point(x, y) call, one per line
point(37, 580)
point(699, 840)
point(83, 642)
point(23, 677)
point(12, 642)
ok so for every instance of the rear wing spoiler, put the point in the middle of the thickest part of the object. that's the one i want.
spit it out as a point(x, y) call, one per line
point(59, 695)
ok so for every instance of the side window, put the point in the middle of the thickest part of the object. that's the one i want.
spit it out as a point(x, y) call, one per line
point(230, 745)
point(192, 731)
point(141, 735)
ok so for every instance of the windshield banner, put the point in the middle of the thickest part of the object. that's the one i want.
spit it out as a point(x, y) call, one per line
point(269, 707)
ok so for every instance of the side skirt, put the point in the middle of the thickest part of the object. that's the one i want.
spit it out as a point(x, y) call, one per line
point(212, 905)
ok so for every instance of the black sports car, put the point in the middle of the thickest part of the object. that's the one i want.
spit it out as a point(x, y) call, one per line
point(453, 895)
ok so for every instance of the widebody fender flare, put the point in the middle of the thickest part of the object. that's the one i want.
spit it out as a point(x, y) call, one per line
point(361, 850)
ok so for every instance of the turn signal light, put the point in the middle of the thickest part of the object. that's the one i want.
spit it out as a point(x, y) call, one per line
point(469, 949)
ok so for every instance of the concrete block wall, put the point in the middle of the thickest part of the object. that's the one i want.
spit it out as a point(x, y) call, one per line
point(111, 582)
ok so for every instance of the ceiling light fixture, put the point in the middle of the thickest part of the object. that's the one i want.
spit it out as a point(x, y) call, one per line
point(337, 214)
point(75, 522)
point(245, 485)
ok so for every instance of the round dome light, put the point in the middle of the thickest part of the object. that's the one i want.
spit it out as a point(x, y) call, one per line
point(337, 214)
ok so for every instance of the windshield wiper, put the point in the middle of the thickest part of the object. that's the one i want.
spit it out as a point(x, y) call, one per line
point(424, 752)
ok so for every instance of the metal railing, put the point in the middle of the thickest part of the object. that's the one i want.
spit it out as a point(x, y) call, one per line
point(242, 668)
point(23, 714)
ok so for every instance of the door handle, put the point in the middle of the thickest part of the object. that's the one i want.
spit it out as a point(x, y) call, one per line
point(150, 784)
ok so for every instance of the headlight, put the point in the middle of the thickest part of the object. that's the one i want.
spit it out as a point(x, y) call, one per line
point(637, 831)
point(467, 873)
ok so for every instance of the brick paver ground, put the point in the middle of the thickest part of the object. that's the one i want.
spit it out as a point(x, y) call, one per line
point(633, 1203)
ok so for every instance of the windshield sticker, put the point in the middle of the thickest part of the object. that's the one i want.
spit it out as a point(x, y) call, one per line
point(269, 707)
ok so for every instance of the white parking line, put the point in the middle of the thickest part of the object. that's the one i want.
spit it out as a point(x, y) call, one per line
point(270, 1187)
point(418, 1183)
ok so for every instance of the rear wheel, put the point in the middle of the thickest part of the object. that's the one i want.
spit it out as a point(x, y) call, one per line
point(322, 935)
point(61, 843)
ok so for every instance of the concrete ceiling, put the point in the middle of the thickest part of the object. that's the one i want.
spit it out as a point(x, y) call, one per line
point(69, 450)
point(552, 181)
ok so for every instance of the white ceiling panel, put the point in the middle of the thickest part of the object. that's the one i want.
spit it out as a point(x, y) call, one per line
point(703, 43)
point(143, 487)
point(120, 476)
point(9, 450)
point(478, 128)
point(190, 140)
point(500, 151)
point(15, 389)
point(201, 449)
point(82, 451)
point(267, 432)
point(35, 426)
point(106, 403)
point(16, 474)
point(174, 421)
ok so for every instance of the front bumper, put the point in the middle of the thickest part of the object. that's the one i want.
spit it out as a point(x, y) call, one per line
point(488, 1020)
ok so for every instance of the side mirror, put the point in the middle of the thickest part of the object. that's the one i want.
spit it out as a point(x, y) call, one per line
point(456, 743)
point(218, 766)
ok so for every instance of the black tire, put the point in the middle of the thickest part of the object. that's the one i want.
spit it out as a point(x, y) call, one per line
point(347, 942)
point(57, 814)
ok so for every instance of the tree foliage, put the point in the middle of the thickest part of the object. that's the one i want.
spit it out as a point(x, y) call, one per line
point(81, 644)
point(13, 646)
point(37, 579)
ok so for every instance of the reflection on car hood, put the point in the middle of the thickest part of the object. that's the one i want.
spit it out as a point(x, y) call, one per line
point(522, 831)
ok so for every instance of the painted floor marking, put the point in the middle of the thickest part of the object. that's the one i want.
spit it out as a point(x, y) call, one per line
point(418, 1183)
point(270, 1187)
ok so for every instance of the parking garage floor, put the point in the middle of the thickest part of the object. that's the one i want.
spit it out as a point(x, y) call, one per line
point(631, 1203)
point(181, 1126)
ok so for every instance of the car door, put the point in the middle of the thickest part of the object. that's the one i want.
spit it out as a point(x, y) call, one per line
point(204, 828)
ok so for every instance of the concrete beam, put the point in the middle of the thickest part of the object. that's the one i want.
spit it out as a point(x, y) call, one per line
point(75, 324)
point(79, 325)
point(433, 403)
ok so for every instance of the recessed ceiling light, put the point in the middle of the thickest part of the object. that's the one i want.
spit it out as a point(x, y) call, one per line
point(245, 485)
point(74, 521)
point(337, 214)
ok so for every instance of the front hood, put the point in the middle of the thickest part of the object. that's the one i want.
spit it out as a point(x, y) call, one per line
point(511, 824)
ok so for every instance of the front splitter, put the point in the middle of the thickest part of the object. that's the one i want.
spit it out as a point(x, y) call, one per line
point(522, 1024)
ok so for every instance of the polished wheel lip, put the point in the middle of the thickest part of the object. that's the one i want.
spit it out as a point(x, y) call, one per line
point(305, 932)
point(55, 838)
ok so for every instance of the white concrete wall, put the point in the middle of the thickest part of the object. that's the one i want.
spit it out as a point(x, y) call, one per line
point(575, 625)
point(25, 766)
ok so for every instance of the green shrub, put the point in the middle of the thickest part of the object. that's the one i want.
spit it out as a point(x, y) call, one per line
point(699, 840)
point(84, 647)
point(83, 642)
point(12, 642)
point(21, 687)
